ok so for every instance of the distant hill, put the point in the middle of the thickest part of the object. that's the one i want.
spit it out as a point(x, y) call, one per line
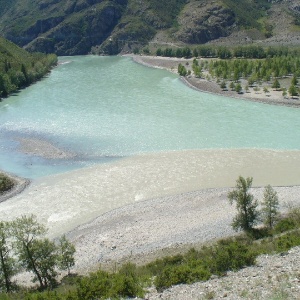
point(19, 68)
point(69, 27)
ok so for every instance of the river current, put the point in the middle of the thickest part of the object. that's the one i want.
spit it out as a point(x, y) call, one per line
point(105, 108)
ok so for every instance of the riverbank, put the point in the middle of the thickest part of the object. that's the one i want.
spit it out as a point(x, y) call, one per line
point(211, 86)
point(20, 184)
point(108, 209)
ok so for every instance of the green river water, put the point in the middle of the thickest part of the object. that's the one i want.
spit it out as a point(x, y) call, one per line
point(106, 108)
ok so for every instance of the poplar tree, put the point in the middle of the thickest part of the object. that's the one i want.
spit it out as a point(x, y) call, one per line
point(27, 232)
point(270, 206)
point(66, 254)
point(7, 262)
point(246, 205)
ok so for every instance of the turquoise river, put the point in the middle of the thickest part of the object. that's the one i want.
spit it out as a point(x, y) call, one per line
point(105, 108)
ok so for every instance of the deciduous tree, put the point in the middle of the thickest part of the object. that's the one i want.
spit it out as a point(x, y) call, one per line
point(270, 206)
point(246, 205)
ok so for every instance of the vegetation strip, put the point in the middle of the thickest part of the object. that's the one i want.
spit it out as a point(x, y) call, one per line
point(19, 68)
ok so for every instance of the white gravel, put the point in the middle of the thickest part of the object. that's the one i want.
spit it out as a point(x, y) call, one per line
point(142, 231)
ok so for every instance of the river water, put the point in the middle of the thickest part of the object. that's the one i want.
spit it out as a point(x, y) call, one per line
point(106, 108)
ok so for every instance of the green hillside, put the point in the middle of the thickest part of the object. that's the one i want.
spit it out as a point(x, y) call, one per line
point(19, 68)
point(68, 27)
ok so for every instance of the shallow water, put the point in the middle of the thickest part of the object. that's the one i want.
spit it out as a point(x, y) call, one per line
point(106, 108)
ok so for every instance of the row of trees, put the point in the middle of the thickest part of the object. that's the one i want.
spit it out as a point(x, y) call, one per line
point(248, 214)
point(253, 52)
point(24, 247)
point(19, 68)
point(255, 72)
point(15, 74)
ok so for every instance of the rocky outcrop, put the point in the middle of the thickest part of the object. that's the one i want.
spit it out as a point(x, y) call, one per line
point(80, 32)
point(201, 22)
point(69, 27)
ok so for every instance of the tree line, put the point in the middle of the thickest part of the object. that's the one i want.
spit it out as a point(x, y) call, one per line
point(222, 52)
point(19, 68)
point(24, 247)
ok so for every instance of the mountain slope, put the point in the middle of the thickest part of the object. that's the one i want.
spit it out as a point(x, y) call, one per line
point(18, 68)
point(69, 27)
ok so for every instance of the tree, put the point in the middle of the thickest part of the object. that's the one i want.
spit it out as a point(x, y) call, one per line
point(182, 70)
point(266, 90)
point(7, 262)
point(66, 254)
point(223, 85)
point(251, 81)
point(294, 80)
point(293, 91)
point(238, 88)
point(45, 259)
point(270, 206)
point(232, 86)
point(284, 92)
point(247, 215)
point(276, 84)
point(27, 231)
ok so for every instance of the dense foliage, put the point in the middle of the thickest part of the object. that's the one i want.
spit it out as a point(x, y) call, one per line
point(6, 183)
point(18, 68)
point(254, 64)
point(24, 247)
point(210, 51)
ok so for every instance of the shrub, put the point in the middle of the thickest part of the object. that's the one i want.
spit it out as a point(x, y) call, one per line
point(173, 275)
point(230, 255)
point(5, 183)
point(284, 225)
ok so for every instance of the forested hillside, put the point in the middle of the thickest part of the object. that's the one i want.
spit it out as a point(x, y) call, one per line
point(19, 68)
point(69, 27)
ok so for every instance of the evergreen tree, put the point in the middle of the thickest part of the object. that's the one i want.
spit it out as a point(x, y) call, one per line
point(293, 91)
point(276, 84)
point(238, 88)
point(182, 70)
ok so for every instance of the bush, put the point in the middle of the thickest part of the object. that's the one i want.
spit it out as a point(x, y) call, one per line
point(287, 241)
point(230, 255)
point(173, 275)
point(5, 183)
point(285, 225)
